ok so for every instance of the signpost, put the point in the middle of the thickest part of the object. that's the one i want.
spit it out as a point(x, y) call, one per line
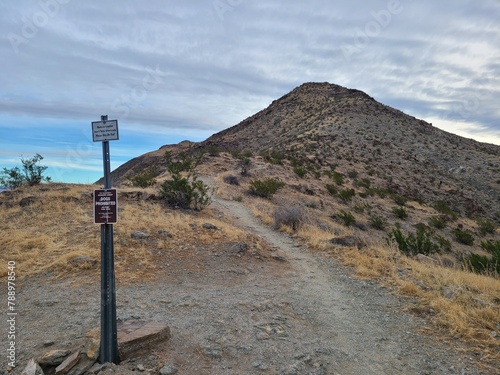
point(105, 213)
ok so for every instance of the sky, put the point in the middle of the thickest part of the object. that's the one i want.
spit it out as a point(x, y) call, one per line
point(173, 70)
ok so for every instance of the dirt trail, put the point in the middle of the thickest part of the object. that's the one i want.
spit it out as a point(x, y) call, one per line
point(243, 315)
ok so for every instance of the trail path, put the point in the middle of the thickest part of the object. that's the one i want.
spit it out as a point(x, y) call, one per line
point(303, 315)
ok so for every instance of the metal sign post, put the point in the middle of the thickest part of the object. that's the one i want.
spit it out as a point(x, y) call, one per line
point(104, 131)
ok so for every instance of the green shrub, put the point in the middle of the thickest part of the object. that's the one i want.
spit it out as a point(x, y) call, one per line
point(413, 244)
point(145, 178)
point(400, 212)
point(300, 171)
point(444, 208)
point(265, 188)
point(363, 183)
point(437, 222)
point(346, 195)
point(463, 236)
point(483, 264)
point(331, 189)
point(30, 175)
point(399, 199)
point(338, 178)
point(377, 222)
point(485, 226)
point(347, 218)
point(183, 189)
point(352, 174)
point(273, 157)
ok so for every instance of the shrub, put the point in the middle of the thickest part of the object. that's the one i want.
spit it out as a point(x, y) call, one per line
point(292, 217)
point(483, 264)
point(437, 222)
point(347, 218)
point(183, 189)
point(331, 189)
point(231, 180)
point(413, 244)
point(400, 212)
point(338, 178)
point(145, 178)
point(244, 163)
point(273, 157)
point(399, 199)
point(377, 222)
point(346, 195)
point(463, 236)
point(485, 226)
point(265, 188)
point(31, 173)
point(444, 208)
point(300, 171)
point(352, 174)
point(363, 183)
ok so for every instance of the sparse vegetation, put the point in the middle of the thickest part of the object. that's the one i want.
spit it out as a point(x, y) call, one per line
point(444, 208)
point(437, 222)
point(400, 212)
point(346, 195)
point(331, 189)
point(463, 236)
point(292, 217)
point(485, 226)
point(145, 178)
point(300, 171)
point(414, 243)
point(345, 217)
point(231, 180)
point(377, 222)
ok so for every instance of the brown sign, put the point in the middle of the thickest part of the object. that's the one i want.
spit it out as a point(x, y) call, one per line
point(105, 206)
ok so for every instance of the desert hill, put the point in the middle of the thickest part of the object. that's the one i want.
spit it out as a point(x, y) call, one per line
point(324, 127)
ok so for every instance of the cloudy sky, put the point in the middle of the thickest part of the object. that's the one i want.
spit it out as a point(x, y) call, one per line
point(172, 70)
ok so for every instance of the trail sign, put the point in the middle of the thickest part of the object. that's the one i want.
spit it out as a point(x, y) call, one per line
point(105, 206)
point(105, 130)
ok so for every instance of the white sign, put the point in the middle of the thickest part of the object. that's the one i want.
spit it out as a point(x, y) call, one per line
point(105, 130)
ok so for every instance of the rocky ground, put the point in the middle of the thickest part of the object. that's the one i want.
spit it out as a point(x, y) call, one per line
point(294, 314)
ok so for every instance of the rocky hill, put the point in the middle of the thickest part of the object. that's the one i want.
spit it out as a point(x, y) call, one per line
point(325, 127)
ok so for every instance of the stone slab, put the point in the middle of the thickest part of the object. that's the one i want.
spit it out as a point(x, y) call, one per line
point(137, 336)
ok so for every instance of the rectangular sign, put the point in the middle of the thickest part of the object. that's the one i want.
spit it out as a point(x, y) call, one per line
point(105, 130)
point(105, 206)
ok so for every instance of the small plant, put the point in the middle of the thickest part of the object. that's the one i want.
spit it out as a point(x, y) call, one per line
point(437, 222)
point(399, 199)
point(331, 189)
point(363, 183)
point(444, 208)
point(400, 212)
point(485, 226)
point(346, 195)
point(352, 174)
point(292, 217)
point(145, 178)
point(273, 157)
point(265, 188)
point(484, 264)
point(244, 163)
point(345, 217)
point(338, 178)
point(377, 222)
point(300, 171)
point(463, 236)
point(413, 244)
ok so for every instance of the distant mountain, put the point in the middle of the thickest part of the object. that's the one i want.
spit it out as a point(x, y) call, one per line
point(326, 127)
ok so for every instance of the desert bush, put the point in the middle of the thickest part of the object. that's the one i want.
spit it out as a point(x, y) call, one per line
point(485, 226)
point(400, 212)
point(273, 157)
point(212, 150)
point(244, 163)
point(300, 171)
point(437, 222)
point(338, 178)
point(346, 195)
point(399, 199)
point(415, 243)
point(463, 236)
point(265, 188)
point(444, 208)
point(231, 180)
point(146, 177)
point(352, 174)
point(183, 189)
point(345, 217)
point(292, 217)
point(331, 189)
point(484, 264)
point(31, 173)
point(363, 183)
point(377, 222)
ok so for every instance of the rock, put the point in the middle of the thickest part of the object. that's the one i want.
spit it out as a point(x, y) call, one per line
point(426, 260)
point(348, 241)
point(210, 226)
point(138, 235)
point(83, 261)
point(68, 363)
point(48, 343)
point(83, 364)
point(136, 336)
point(140, 367)
point(53, 357)
point(98, 367)
point(212, 352)
point(32, 368)
point(168, 369)
point(260, 365)
point(28, 201)
point(93, 344)
point(239, 248)
point(279, 257)
point(164, 233)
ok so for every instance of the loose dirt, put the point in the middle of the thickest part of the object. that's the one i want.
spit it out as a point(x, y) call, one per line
point(292, 314)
